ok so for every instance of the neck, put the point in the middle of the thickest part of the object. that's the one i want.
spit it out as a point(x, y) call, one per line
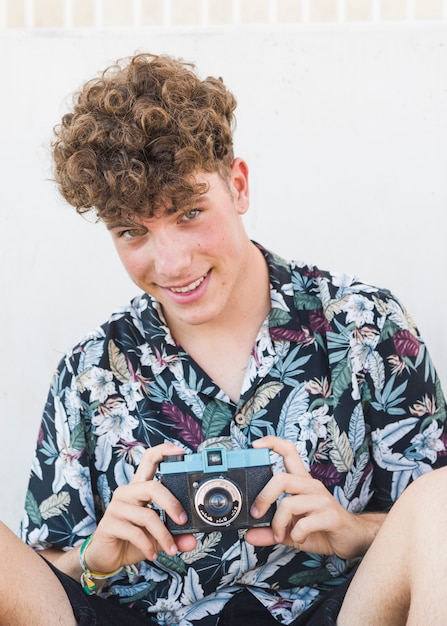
point(223, 347)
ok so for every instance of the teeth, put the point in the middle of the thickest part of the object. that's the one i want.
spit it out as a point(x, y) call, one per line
point(188, 288)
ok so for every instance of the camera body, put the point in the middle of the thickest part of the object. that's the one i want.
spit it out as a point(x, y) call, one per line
point(217, 487)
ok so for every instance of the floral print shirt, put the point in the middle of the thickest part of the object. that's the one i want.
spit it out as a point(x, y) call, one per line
point(338, 368)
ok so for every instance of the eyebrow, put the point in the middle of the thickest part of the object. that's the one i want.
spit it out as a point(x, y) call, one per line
point(112, 225)
point(202, 198)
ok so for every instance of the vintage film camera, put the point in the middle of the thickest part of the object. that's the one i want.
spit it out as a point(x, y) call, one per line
point(217, 487)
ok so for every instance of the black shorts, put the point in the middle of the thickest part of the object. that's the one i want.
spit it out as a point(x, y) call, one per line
point(243, 608)
point(96, 611)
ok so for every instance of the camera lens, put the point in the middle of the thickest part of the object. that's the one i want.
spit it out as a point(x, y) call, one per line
point(218, 501)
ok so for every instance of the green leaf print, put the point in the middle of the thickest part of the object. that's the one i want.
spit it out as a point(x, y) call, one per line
point(77, 437)
point(341, 379)
point(216, 416)
point(278, 317)
point(174, 563)
point(389, 329)
point(305, 301)
point(32, 509)
point(309, 577)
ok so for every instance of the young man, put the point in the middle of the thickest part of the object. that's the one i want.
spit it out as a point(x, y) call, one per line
point(230, 346)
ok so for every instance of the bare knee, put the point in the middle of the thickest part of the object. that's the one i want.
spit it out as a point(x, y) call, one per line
point(422, 508)
point(30, 593)
point(393, 581)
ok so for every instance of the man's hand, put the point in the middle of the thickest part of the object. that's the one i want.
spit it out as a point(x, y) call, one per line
point(310, 519)
point(130, 532)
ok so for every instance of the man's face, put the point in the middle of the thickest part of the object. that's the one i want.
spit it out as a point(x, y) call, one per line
point(195, 261)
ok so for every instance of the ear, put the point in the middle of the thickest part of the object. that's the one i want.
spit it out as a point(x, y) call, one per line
point(239, 184)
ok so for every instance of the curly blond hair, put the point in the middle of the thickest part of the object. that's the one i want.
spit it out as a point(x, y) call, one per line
point(138, 134)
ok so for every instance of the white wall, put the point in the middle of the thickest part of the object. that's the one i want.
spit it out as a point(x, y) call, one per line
point(345, 131)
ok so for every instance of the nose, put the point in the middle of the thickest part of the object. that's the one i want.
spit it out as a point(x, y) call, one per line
point(172, 255)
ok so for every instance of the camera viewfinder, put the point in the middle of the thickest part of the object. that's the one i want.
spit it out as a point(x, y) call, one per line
point(214, 457)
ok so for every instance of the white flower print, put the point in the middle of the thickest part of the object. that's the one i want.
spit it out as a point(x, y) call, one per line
point(100, 383)
point(262, 358)
point(73, 405)
point(360, 354)
point(313, 424)
point(38, 536)
point(67, 468)
point(383, 439)
point(428, 443)
point(113, 423)
point(132, 393)
point(359, 310)
point(342, 281)
point(158, 361)
point(277, 298)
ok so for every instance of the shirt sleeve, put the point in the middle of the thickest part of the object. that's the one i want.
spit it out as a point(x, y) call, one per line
point(402, 398)
point(59, 505)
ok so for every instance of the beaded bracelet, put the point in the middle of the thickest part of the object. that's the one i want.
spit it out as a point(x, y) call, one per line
point(87, 582)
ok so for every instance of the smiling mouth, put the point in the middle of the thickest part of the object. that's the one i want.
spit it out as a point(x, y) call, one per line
point(190, 287)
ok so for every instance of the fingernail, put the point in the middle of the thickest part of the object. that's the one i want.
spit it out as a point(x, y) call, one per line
point(173, 550)
point(254, 512)
point(182, 518)
point(276, 538)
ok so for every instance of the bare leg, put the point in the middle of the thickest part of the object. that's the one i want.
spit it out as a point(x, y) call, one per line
point(401, 580)
point(29, 591)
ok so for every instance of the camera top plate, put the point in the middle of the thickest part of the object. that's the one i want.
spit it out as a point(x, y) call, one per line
point(211, 460)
